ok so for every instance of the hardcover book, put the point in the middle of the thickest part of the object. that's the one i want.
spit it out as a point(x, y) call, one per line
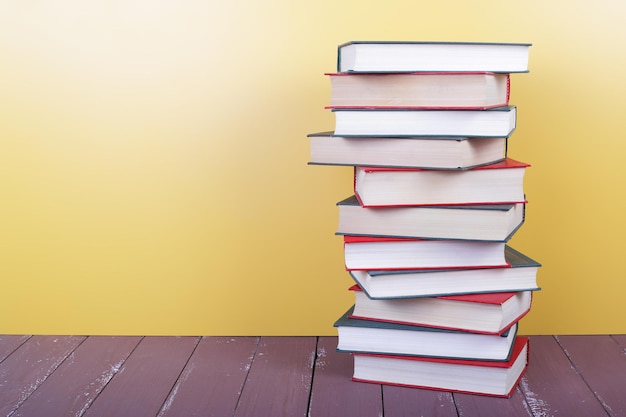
point(390, 253)
point(495, 222)
point(489, 313)
point(418, 152)
point(446, 90)
point(518, 274)
point(496, 122)
point(488, 378)
point(499, 183)
point(368, 336)
point(414, 56)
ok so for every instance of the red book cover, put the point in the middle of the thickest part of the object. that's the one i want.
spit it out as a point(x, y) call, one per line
point(486, 298)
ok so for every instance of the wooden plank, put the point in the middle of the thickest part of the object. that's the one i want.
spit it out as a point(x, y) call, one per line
point(551, 385)
point(620, 339)
point(8, 343)
point(212, 381)
point(22, 372)
point(73, 386)
point(404, 401)
point(602, 363)
point(145, 379)
point(479, 405)
point(279, 380)
point(334, 394)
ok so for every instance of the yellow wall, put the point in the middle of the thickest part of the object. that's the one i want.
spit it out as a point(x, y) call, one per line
point(153, 175)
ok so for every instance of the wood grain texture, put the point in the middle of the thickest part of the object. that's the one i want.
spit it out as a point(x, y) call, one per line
point(29, 366)
point(70, 376)
point(334, 394)
point(595, 358)
point(404, 401)
point(144, 381)
point(477, 405)
point(71, 389)
point(279, 380)
point(552, 386)
point(213, 379)
point(621, 340)
point(8, 343)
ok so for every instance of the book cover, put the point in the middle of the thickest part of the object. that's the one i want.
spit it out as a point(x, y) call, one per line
point(444, 153)
point(415, 56)
point(488, 378)
point(495, 122)
point(421, 90)
point(484, 222)
point(506, 163)
point(369, 336)
point(498, 183)
point(519, 273)
point(486, 313)
point(394, 253)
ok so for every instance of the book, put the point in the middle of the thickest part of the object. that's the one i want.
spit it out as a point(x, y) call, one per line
point(385, 253)
point(497, 222)
point(500, 183)
point(519, 274)
point(415, 56)
point(489, 378)
point(445, 90)
point(495, 122)
point(368, 336)
point(489, 313)
point(420, 152)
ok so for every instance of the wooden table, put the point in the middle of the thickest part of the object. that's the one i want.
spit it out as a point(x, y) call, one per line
point(47, 376)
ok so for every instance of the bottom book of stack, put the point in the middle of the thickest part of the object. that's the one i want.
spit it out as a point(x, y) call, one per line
point(491, 378)
point(434, 357)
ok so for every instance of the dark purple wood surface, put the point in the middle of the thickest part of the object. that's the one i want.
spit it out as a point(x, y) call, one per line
point(24, 370)
point(621, 340)
point(333, 392)
point(279, 380)
point(552, 386)
point(404, 401)
point(212, 381)
point(595, 357)
point(48, 376)
point(71, 389)
point(477, 405)
point(144, 381)
point(8, 343)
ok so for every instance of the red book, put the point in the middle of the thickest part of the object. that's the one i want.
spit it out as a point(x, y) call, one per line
point(498, 183)
point(491, 378)
point(389, 253)
point(489, 313)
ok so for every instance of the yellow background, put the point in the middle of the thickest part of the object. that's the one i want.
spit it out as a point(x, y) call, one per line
point(153, 160)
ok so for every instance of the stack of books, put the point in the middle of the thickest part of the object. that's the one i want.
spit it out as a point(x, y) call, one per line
point(438, 290)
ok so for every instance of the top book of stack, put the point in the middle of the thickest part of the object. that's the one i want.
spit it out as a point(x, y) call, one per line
point(407, 56)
